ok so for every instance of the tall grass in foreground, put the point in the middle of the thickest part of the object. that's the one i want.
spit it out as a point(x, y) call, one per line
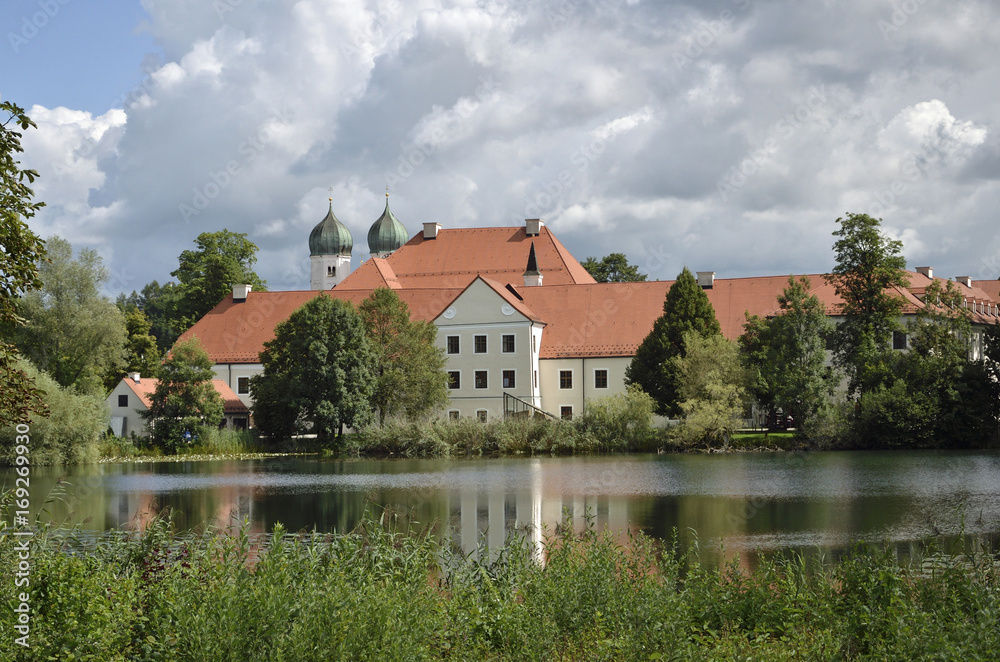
point(377, 594)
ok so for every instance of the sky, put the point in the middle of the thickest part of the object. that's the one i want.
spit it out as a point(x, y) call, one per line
point(721, 135)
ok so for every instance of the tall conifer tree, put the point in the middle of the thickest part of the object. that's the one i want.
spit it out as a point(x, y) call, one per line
point(685, 309)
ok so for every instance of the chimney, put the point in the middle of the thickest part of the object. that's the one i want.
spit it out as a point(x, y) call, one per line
point(241, 291)
point(964, 280)
point(431, 230)
point(533, 226)
point(706, 279)
point(926, 271)
point(134, 376)
point(532, 276)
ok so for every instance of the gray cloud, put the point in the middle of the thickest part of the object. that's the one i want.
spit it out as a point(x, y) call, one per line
point(721, 135)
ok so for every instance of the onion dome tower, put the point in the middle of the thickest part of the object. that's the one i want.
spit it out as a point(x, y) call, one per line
point(386, 234)
point(330, 246)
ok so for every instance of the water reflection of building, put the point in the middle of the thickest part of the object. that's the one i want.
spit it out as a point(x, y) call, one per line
point(490, 515)
point(226, 505)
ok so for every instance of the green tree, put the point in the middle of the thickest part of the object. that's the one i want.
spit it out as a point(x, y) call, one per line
point(68, 433)
point(141, 352)
point(408, 367)
point(318, 370)
point(20, 253)
point(185, 402)
point(686, 308)
point(711, 387)
point(785, 355)
point(613, 268)
point(867, 275)
point(72, 331)
point(159, 303)
point(207, 275)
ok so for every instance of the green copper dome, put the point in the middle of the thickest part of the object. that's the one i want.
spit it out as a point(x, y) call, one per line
point(386, 234)
point(330, 237)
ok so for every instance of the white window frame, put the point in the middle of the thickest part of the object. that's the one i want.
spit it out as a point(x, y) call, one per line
point(503, 377)
point(571, 412)
point(571, 380)
point(503, 343)
point(447, 345)
point(454, 414)
point(607, 381)
point(459, 372)
point(486, 343)
point(480, 388)
point(482, 415)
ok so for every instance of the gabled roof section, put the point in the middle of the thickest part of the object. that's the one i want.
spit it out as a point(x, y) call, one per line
point(456, 256)
point(143, 389)
point(231, 404)
point(235, 332)
point(510, 297)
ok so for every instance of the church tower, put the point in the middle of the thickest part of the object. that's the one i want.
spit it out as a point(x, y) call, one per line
point(330, 246)
point(386, 234)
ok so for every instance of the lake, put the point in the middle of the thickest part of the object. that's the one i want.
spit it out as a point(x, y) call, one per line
point(736, 502)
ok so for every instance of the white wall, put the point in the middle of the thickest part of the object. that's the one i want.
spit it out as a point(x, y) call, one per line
point(554, 397)
point(130, 413)
point(480, 311)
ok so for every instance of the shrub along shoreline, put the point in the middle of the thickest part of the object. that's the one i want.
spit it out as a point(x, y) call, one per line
point(379, 594)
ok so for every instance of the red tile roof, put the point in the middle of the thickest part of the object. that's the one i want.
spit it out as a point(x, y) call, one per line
point(456, 255)
point(612, 319)
point(990, 287)
point(231, 404)
point(235, 332)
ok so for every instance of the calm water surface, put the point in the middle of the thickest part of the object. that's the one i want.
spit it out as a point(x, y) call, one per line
point(737, 502)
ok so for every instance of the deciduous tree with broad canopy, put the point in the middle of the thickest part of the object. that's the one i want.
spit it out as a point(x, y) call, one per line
point(21, 251)
point(711, 389)
point(408, 367)
point(868, 270)
point(785, 355)
point(613, 268)
point(73, 331)
point(318, 371)
point(686, 308)
point(185, 402)
point(207, 275)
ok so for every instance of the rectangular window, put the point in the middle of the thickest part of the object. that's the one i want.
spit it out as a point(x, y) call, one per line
point(508, 343)
point(533, 350)
point(508, 379)
point(243, 385)
point(123, 400)
point(453, 346)
point(566, 412)
point(600, 379)
point(565, 379)
point(898, 340)
point(480, 345)
point(481, 379)
point(481, 414)
point(535, 380)
point(453, 414)
point(454, 379)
